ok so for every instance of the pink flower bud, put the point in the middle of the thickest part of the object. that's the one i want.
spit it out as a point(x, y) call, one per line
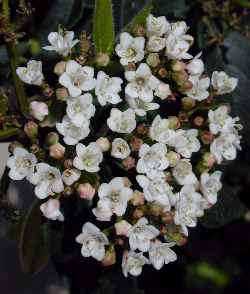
point(137, 198)
point(86, 191)
point(60, 67)
point(128, 163)
point(39, 110)
point(122, 228)
point(163, 91)
point(57, 151)
point(103, 143)
point(31, 129)
point(109, 258)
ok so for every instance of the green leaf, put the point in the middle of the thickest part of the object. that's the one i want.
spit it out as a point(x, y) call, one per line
point(227, 210)
point(140, 18)
point(33, 249)
point(76, 13)
point(8, 133)
point(103, 26)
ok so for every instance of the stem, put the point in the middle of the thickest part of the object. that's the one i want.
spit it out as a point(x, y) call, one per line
point(6, 134)
point(13, 57)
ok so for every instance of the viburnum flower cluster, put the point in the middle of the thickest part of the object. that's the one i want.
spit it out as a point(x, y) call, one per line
point(147, 172)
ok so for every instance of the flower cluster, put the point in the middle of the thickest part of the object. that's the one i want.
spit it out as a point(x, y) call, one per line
point(125, 125)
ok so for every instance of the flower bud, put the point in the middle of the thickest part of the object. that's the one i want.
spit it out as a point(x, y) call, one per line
point(31, 129)
point(127, 183)
point(60, 68)
point(198, 121)
point(110, 257)
point(122, 228)
point(208, 160)
point(139, 30)
point(155, 209)
point(39, 110)
point(102, 59)
point(57, 151)
point(103, 143)
point(180, 77)
point(174, 122)
point(137, 198)
point(207, 137)
point(86, 191)
point(188, 103)
point(68, 191)
point(173, 158)
point(167, 217)
point(68, 163)
point(48, 91)
point(62, 94)
point(128, 163)
point(183, 117)
point(177, 65)
point(153, 59)
point(52, 138)
point(162, 72)
point(142, 129)
point(131, 66)
point(138, 213)
point(135, 143)
point(163, 91)
point(35, 148)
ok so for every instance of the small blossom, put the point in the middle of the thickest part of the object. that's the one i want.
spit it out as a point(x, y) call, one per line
point(47, 179)
point(163, 91)
point(70, 176)
point(222, 83)
point(122, 122)
point(21, 164)
point(153, 59)
point(225, 146)
point(88, 157)
point(120, 148)
point(130, 49)
point(32, 74)
point(141, 83)
point(122, 228)
point(157, 26)
point(51, 210)
point(199, 91)
point(39, 110)
point(183, 173)
point(86, 191)
point(77, 78)
point(156, 44)
point(160, 254)
point(141, 234)
point(107, 89)
point(93, 242)
point(141, 107)
point(196, 66)
point(61, 42)
point(157, 190)
point(210, 185)
point(114, 198)
point(57, 151)
point(132, 263)
point(80, 109)
point(72, 133)
point(152, 159)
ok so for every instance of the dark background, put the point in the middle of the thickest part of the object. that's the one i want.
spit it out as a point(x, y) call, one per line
point(217, 256)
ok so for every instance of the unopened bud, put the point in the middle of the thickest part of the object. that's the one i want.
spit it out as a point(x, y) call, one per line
point(126, 181)
point(177, 65)
point(207, 137)
point(137, 198)
point(198, 121)
point(86, 191)
point(103, 143)
point(68, 163)
point(122, 227)
point(128, 163)
point(31, 129)
point(142, 129)
point(60, 68)
point(57, 151)
point(102, 59)
point(62, 94)
point(162, 72)
point(131, 66)
point(183, 117)
point(173, 158)
point(167, 217)
point(153, 59)
point(188, 103)
point(138, 213)
point(110, 257)
point(139, 30)
point(208, 160)
point(135, 143)
point(52, 138)
point(155, 209)
point(174, 122)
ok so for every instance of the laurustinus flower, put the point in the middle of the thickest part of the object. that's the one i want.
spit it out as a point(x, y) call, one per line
point(32, 74)
point(57, 151)
point(39, 110)
point(51, 210)
point(86, 191)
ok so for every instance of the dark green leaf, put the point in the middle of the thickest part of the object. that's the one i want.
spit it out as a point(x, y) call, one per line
point(103, 26)
point(8, 133)
point(76, 13)
point(33, 249)
point(214, 60)
point(3, 54)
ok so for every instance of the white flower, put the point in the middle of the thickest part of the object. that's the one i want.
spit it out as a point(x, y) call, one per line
point(70, 176)
point(189, 207)
point(141, 234)
point(72, 133)
point(21, 164)
point(32, 74)
point(120, 148)
point(93, 241)
point(200, 87)
point(157, 26)
point(51, 210)
point(39, 110)
point(210, 185)
point(183, 173)
point(156, 44)
point(122, 228)
point(130, 49)
point(178, 42)
point(163, 91)
point(47, 179)
point(186, 142)
point(157, 190)
point(140, 107)
point(160, 254)
point(222, 83)
point(80, 109)
point(77, 78)
point(114, 198)
point(220, 121)
point(88, 157)
point(132, 263)
point(196, 66)
point(152, 159)
point(61, 42)
point(122, 122)
point(141, 83)
point(225, 146)
point(160, 130)
point(107, 89)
